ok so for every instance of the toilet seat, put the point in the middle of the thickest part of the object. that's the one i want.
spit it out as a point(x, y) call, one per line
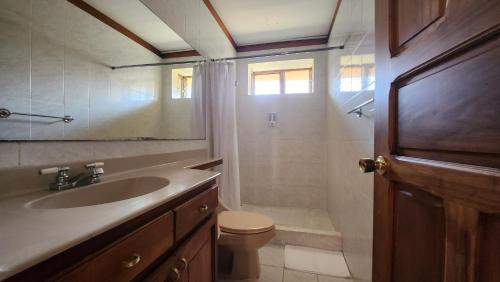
point(240, 222)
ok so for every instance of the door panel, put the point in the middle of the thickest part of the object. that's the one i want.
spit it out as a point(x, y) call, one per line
point(488, 265)
point(412, 17)
point(452, 108)
point(418, 236)
point(437, 209)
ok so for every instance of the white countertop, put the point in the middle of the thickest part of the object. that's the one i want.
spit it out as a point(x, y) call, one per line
point(29, 236)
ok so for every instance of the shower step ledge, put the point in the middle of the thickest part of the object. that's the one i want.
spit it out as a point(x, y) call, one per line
point(313, 238)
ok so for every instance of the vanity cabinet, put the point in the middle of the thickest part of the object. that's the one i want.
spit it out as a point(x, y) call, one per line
point(194, 261)
point(173, 242)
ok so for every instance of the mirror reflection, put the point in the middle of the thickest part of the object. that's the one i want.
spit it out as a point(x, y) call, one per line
point(55, 60)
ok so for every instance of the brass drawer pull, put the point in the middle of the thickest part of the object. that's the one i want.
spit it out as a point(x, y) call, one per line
point(203, 208)
point(182, 263)
point(134, 260)
point(174, 274)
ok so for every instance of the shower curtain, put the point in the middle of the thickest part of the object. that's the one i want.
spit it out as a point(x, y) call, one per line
point(214, 115)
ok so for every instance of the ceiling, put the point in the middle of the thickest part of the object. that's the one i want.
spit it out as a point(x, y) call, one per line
point(264, 21)
point(137, 18)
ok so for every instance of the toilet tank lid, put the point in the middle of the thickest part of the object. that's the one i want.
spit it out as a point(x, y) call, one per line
point(241, 222)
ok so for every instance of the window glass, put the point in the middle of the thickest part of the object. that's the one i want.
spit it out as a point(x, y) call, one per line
point(351, 79)
point(182, 83)
point(281, 77)
point(371, 78)
point(267, 84)
point(297, 81)
point(357, 73)
point(187, 85)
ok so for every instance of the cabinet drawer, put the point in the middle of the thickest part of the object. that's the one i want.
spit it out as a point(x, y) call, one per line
point(130, 256)
point(194, 259)
point(188, 215)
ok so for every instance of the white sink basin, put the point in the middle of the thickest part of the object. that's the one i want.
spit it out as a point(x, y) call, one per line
point(100, 193)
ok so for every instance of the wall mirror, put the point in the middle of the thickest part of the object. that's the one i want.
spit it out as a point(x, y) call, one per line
point(56, 58)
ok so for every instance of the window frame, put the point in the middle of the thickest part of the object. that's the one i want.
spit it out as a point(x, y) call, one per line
point(183, 80)
point(281, 74)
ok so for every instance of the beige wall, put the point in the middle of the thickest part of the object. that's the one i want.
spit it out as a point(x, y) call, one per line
point(350, 193)
point(24, 154)
point(283, 165)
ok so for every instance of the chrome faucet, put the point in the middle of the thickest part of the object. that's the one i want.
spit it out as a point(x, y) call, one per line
point(63, 181)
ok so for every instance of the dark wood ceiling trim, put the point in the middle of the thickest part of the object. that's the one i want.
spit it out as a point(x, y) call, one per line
point(220, 22)
point(283, 44)
point(180, 54)
point(116, 26)
point(337, 8)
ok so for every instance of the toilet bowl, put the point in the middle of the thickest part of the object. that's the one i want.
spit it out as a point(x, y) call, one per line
point(241, 234)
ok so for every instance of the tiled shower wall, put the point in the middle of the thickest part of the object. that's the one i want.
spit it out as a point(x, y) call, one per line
point(54, 60)
point(350, 193)
point(283, 165)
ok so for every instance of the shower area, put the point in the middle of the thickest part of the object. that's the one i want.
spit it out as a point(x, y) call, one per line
point(298, 153)
point(283, 162)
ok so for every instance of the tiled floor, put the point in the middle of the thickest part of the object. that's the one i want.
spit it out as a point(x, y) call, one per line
point(272, 259)
point(314, 219)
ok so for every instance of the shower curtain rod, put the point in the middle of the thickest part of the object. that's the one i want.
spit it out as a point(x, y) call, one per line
point(232, 58)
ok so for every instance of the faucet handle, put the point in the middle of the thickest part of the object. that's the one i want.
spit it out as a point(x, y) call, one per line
point(94, 165)
point(96, 170)
point(52, 170)
point(61, 178)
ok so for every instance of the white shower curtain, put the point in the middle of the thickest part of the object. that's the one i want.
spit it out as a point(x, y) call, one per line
point(214, 114)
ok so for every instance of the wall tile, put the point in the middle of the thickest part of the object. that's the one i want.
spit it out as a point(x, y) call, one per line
point(53, 153)
point(15, 127)
point(79, 128)
point(9, 153)
point(284, 165)
point(15, 50)
point(46, 128)
point(350, 193)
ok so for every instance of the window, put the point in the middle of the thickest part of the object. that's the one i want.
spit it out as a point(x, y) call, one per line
point(357, 73)
point(281, 77)
point(182, 83)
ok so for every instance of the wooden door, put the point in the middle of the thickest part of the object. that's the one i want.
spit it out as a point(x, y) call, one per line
point(200, 267)
point(437, 208)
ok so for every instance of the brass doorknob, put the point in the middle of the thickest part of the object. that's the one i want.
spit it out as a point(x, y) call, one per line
point(174, 275)
point(368, 165)
point(182, 263)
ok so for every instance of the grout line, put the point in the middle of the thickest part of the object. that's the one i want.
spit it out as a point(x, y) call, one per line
point(283, 274)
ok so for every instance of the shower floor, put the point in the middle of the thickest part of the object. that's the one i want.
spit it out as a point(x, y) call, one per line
point(301, 227)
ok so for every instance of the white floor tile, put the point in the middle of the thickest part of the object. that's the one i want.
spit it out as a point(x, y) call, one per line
point(267, 274)
point(322, 278)
point(272, 255)
point(316, 261)
point(297, 276)
point(270, 274)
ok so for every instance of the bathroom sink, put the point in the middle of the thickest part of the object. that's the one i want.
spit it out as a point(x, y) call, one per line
point(100, 193)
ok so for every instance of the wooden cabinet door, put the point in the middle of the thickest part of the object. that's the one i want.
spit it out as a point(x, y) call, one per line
point(194, 260)
point(201, 266)
point(437, 208)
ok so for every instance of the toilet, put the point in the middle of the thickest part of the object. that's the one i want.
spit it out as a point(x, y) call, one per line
point(241, 234)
